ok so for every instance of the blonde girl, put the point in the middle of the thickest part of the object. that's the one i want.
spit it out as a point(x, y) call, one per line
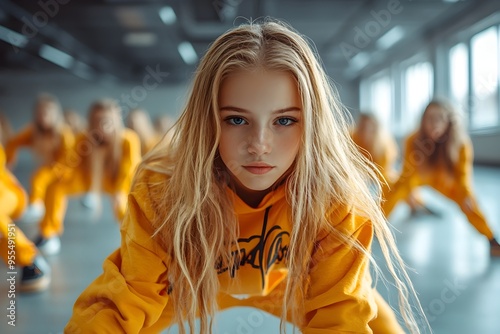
point(50, 140)
point(261, 193)
point(377, 145)
point(439, 154)
point(103, 161)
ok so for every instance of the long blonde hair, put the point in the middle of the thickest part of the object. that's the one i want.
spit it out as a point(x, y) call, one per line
point(199, 226)
point(444, 151)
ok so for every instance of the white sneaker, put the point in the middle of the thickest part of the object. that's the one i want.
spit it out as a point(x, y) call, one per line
point(50, 246)
point(34, 213)
point(90, 201)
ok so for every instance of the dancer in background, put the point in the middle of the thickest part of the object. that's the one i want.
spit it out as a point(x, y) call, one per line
point(380, 147)
point(139, 121)
point(260, 193)
point(103, 161)
point(440, 155)
point(15, 248)
point(377, 145)
point(75, 121)
point(50, 140)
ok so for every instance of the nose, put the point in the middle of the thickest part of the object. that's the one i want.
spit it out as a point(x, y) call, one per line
point(260, 141)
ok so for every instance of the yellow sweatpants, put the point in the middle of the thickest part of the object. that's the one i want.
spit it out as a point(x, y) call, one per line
point(13, 201)
point(458, 194)
point(40, 180)
point(74, 183)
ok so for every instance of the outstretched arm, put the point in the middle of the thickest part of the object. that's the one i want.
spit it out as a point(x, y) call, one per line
point(131, 293)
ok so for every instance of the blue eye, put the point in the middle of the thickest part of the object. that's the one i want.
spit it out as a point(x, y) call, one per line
point(235, 120)
point(286, 121)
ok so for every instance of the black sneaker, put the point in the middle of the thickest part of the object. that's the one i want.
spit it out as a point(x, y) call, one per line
point(432, 212)
point(36, 277)
point(424, 210)
point(494, 248)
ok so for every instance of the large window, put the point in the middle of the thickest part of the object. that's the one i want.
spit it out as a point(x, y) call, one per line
point(459, 76)
point(418, 82)
point(467, 73)
point(484, 102)
point(377, 97)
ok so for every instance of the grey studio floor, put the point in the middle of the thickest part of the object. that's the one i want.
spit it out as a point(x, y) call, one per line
point(457, 281)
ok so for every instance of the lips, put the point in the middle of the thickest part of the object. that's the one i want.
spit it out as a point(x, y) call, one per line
point(258, 168)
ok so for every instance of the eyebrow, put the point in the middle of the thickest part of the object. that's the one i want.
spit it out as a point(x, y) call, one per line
point(241, 110)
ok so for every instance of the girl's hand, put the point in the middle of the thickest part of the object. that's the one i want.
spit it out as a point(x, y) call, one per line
point(468, 204)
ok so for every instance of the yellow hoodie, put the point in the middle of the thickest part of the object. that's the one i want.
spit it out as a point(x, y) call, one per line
point(27, 137)
point(131, 296)
point(456, 185)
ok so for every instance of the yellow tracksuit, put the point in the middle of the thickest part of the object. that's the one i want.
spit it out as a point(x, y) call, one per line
point(457, 187)
point(13, 203)
point(77, 180)
point(54, 166)
point(131, 295)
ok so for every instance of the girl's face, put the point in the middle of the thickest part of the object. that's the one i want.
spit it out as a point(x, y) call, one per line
point(261, 127)
point(103, 125)
point(367, 128)
point(435, 122)
point(46, 115)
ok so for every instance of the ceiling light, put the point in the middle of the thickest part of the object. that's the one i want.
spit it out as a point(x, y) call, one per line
point(359, 61)
point(130, 17)
point(139, 39)
point(82, 70)
point(56, 56)
point(187, 53)
point(390, 38)
point(167, 15)
point(12, 37)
